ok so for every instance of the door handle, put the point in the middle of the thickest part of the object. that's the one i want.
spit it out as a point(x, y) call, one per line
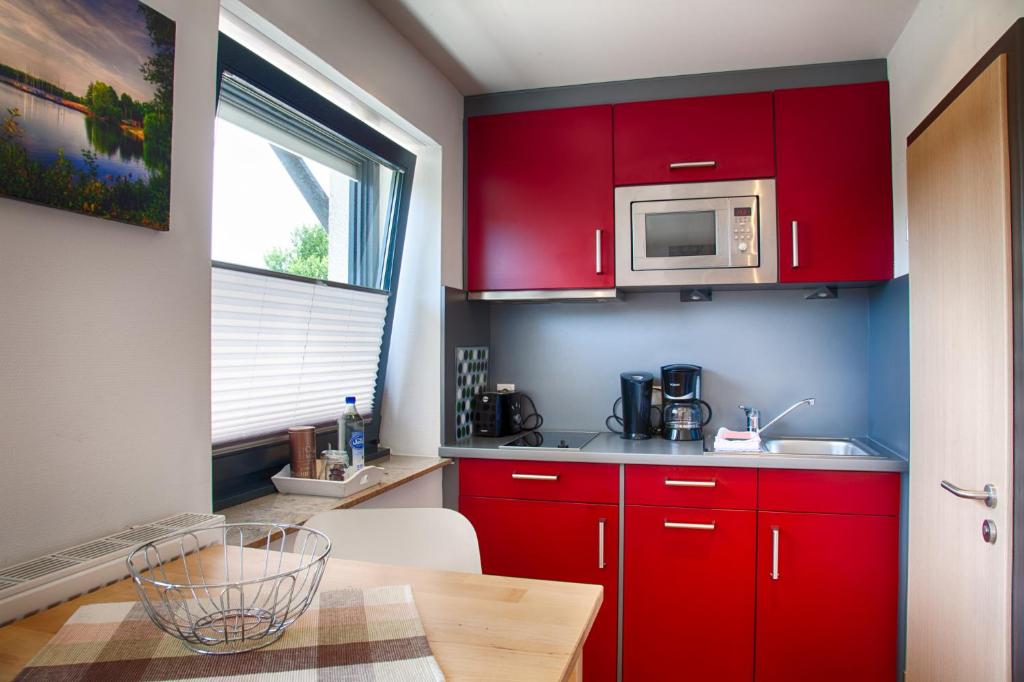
point(597, 251)
point(691, 164)
point(796, 245)
point(987, 495)
point(600, 544)
point(535, 477)
point(775, 552)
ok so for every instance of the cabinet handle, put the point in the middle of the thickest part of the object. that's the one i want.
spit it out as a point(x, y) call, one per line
point(690, 526)
point(691, 164)
point(597, 251)
point(689, 484)
point(600, 544)
point(775, 552)
point(796, 245)
point(535, 477)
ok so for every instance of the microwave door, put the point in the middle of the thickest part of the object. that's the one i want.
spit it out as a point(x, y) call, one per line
point(681, 234)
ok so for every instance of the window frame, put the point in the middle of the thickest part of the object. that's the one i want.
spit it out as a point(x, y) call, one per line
point(242, 469)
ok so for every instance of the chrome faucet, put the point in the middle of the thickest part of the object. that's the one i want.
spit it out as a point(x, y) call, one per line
point(753, 418)
point(754, 415)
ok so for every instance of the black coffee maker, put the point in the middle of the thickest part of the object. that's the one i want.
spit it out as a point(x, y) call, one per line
point(683, 412)
point(637, 388)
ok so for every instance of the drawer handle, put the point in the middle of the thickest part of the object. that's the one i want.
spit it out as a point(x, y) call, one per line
point(690, 484)
point(535, 477)
point(690, 526)
point(600, 544)
point(691, 164)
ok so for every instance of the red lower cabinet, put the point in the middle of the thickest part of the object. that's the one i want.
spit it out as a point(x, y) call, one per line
point(826, 597)
point(688, 594)
point(556, 541)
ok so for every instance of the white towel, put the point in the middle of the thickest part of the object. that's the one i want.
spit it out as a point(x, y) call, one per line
point(737, 441)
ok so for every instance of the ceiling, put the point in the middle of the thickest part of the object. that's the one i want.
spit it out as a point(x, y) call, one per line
point(501, 45)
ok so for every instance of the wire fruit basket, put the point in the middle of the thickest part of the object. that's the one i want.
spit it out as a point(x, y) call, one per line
point(238, 602)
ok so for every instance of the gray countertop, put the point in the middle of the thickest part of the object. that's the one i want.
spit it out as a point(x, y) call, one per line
point(609, 448)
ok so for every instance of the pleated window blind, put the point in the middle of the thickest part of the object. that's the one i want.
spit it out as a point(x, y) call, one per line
point(287, 352)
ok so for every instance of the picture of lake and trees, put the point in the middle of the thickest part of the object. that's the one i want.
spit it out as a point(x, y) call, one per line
point(86, 91)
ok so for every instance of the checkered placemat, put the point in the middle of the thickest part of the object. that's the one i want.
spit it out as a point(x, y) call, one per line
point(352, 635)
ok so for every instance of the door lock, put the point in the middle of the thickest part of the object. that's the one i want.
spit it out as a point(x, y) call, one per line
point(988, 531)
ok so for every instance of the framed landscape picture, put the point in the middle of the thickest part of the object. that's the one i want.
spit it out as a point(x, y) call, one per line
point(86, 88)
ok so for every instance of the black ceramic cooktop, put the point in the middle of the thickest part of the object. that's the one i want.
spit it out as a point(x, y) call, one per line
point(560, 440)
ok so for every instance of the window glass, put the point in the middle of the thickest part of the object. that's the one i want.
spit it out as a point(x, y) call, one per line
point(683, 233)
point(291, 196)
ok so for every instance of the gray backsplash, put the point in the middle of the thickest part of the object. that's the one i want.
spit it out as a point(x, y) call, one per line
point(889, 364)
point(762, 348)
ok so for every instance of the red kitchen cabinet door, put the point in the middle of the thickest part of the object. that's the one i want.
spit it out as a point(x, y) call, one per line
point(830, 614)
point(729, 136)
point(556, 541)
point(834, 182)
point(539, 206)
point(688, 595)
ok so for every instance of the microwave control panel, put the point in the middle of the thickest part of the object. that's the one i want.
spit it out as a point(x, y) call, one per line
point(743, 228)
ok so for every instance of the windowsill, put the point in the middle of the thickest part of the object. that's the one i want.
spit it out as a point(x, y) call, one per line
point(297, 509)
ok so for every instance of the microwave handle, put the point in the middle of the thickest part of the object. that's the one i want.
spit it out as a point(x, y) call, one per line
point(597, 251)
point(796, 245)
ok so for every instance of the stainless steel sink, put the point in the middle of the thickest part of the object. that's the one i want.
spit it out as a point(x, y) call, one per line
point(831, 447)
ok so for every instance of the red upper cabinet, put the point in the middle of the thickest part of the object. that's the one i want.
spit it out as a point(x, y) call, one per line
point(539, 200)
point(556, 541)
point(826, 597)
point(834, 183)
point(727, 137)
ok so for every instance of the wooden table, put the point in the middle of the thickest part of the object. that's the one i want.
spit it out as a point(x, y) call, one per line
point(480, 627)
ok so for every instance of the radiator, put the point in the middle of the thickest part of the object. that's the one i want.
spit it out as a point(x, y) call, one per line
point(51, 579)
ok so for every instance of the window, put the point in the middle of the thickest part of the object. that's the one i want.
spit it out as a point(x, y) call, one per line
point(309, 216)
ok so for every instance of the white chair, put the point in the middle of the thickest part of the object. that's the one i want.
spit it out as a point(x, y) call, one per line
point(428, 538)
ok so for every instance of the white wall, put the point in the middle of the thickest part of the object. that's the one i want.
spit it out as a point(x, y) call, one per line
point(421, 492)
point(940, 43)
point(105, 343)
point(357, 50)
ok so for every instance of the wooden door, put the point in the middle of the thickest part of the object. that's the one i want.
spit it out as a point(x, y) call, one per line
point(688, 594)
point(539, 203)
point(960, 387)
point(829, 610)
point(834, 182)
point(565, 541)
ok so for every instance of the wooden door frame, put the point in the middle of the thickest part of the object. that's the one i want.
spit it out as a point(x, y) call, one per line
point(1012, 45)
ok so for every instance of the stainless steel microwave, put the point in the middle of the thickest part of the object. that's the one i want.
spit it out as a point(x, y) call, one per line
point(696, 234)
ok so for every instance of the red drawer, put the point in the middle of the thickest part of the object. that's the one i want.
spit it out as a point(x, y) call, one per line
point(830, 492)
point(706, 487)
point(531, 480)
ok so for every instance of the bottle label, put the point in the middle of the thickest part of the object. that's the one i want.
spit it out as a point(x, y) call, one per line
point(357, 440)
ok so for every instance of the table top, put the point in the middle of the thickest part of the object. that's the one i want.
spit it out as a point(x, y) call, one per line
point(479, 626)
